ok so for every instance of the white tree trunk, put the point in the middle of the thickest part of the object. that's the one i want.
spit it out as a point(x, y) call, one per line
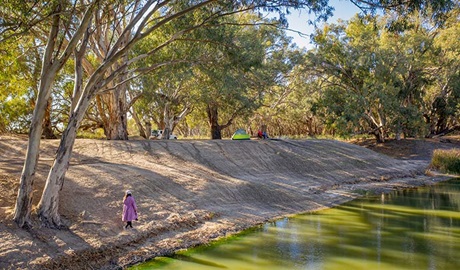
point(167, 120)
point(171, 120)
point(143, 132)
point(48, 73)
point(24, 198)
point(52, 63)
point(49, 203)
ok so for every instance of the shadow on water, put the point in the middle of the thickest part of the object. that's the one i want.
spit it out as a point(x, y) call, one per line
point(408, 229)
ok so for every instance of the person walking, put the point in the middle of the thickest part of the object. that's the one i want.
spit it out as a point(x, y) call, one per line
point(129, 209)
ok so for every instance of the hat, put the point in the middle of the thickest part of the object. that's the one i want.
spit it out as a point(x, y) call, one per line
point(128, 192)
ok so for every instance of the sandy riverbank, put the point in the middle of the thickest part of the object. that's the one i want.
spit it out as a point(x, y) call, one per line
point(188, 193)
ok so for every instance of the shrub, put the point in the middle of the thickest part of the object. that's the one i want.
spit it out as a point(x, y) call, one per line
point(446, 160)
point(96, 134)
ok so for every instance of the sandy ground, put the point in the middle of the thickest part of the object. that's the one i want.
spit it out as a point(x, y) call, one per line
point(190, 192)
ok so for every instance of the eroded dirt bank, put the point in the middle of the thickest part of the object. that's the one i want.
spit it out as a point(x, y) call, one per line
point(188, 193)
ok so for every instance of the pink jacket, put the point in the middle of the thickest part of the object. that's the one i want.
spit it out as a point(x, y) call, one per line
point(129, 209)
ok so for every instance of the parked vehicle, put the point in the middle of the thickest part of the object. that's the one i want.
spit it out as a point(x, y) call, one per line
point(158, 135)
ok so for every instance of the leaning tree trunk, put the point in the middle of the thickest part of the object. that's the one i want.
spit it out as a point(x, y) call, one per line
point(378, 126)
point(143, 132)
point(48, 207)
point(51, 65)
point(24, 198)
point(48, 73)
point(49, 203)
point(379, 133)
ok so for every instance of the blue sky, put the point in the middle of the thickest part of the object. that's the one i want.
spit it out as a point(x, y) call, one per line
point(344, 10)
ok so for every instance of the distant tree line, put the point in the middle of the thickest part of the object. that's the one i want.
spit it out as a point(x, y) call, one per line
point(374, 74)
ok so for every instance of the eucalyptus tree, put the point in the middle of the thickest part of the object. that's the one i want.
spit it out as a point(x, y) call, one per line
point(422, 73)
point(289, 107)
point(411, 50)
point(377, 80)
point(57, 52)
point(443, 96)
point(110, 26)
point(166, 98)
point(234, 76)
point(371, 83)
point(223, 70)
point(21, 61)
point(148, 18)
point(346, 61)
point(166, 95)
point(283, 109)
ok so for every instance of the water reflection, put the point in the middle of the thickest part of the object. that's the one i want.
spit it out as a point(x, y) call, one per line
point(409, 229)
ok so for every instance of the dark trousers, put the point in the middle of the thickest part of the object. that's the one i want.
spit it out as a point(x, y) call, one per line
point(129, 223)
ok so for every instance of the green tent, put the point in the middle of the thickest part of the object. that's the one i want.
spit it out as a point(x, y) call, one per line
point(240, 134)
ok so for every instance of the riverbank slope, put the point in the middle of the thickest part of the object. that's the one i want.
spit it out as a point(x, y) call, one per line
point(188, 193)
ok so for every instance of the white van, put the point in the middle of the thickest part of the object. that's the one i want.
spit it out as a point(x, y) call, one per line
point(158, 134)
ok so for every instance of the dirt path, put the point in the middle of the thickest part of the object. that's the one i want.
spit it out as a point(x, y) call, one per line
point(188, 193)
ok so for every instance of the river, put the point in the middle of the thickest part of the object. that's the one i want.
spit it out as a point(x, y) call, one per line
point(406, 229)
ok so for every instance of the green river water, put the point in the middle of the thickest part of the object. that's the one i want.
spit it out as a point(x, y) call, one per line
point(408, 229)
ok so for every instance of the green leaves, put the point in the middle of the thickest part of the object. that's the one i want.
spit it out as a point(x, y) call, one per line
point(378, 80)
point(17, 84)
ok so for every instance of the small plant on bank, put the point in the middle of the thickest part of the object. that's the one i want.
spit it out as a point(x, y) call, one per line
point(446, 160)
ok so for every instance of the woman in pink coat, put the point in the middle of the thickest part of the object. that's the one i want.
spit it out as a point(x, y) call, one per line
point(129, 209)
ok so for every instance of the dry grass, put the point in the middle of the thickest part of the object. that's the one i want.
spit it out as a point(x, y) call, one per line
point(446, 160)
